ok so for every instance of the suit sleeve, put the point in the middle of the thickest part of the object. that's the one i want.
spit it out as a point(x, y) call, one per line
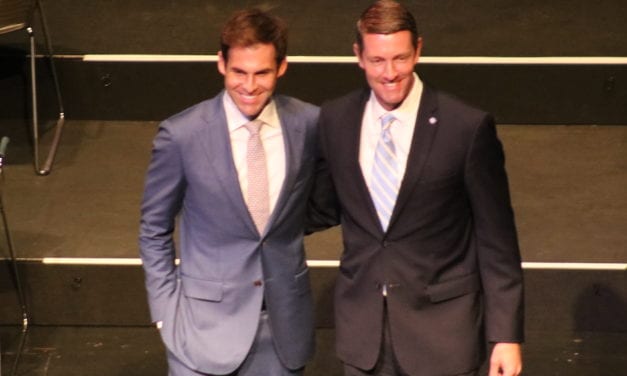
point(323, 207)
point(498, 253)
point(162, 200)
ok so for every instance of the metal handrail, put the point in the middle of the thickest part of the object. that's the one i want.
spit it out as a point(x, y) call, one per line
point(16, 275)
point(47, 166)
point(18, 15)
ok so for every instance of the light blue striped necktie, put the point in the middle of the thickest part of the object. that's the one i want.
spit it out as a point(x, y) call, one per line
point(385, 173)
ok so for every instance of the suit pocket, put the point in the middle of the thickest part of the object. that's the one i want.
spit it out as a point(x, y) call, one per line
point(301, 282)
point(441, 182)
point(202, 289)
point(453, 288)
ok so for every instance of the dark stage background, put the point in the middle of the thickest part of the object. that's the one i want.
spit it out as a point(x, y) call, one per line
point(563, 126)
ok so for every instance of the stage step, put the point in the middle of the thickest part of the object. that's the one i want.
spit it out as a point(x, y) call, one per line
point(63, 293)
point(527, 62)
point(93, 320)
point(137, 351)
point(529, 92)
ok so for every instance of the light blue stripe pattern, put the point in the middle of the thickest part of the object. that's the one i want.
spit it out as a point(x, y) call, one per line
point(385, 173)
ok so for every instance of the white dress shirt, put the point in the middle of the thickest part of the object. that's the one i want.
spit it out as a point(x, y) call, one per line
point(272, 139)
point(402, 129)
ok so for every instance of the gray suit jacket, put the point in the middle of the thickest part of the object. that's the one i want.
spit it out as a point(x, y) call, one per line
point(210, 304)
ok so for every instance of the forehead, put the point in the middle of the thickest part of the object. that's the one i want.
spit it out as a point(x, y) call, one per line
point(394, 43)
point(255, 54)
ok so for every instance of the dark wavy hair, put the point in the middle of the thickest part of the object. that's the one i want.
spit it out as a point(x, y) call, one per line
point(251, 26)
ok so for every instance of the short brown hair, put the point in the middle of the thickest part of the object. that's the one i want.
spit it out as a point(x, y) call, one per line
point(386, 17)
point(251, 26)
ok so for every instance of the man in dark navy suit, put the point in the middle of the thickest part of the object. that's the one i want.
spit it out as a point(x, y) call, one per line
point(431, 268)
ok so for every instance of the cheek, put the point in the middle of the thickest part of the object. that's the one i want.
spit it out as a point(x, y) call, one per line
point(268, 83)
point(408, 69)
point(230, 81)
point(373, 72)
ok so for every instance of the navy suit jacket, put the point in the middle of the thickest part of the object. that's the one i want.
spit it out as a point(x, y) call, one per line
point(450, 256)
point(210, 304)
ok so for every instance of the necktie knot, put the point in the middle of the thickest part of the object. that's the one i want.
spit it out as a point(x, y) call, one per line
point(254, 126)
point(386, 124)
point(386, 121)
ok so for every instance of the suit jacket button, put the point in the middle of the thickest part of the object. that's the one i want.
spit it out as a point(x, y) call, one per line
point(257, 283)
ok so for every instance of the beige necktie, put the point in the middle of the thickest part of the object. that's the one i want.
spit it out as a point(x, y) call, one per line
point(257, 195)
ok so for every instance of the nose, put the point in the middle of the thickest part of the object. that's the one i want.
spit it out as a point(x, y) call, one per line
point(389, 71)
point(250, 83)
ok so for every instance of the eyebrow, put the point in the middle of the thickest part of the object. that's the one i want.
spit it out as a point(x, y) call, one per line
point(240, 70)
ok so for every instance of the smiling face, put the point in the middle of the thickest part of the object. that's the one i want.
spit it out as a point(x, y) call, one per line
point(250, 76)
point(388, 61)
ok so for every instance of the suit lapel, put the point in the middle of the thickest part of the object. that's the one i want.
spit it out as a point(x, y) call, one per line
point(293, 128)
point(424, 133)
point(351, 133)
point(217, 146)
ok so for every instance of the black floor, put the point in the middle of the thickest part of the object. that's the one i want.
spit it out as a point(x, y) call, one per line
point(137, 351)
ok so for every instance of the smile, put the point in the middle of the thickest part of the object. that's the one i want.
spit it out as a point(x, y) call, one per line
point(249, 98)
point(391, 85)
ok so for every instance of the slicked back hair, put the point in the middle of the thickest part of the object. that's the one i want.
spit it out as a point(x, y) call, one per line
point(386, 17)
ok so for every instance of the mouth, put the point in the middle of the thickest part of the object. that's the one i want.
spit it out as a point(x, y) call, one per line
point(391, 85)
point(249, 97)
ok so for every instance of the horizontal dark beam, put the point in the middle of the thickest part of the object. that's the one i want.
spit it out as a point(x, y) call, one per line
point(556, 300)
point(326, 27)
point(516, 94)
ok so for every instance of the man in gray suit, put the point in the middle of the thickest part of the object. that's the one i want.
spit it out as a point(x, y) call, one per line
point(238, 169)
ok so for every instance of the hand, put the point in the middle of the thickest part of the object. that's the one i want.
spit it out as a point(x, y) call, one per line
point(506, 360)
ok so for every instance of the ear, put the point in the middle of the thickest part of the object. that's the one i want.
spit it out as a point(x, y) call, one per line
point(282, 68)
point(418, 49)
point(357, 52)
point(221, 63)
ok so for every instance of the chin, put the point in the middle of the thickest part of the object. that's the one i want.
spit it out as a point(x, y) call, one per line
point(391, 104)
point(249, 111)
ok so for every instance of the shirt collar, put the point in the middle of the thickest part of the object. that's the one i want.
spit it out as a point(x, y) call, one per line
point(235, 119)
